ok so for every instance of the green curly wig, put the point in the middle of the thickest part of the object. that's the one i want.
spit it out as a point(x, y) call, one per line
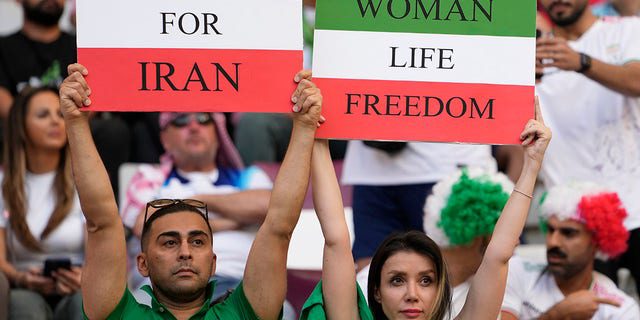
point(472, 209)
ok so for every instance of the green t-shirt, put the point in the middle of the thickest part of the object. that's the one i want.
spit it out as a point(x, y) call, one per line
point(234, 307)
point(313, 308)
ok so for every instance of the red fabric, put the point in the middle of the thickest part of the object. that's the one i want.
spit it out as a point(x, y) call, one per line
point(604, 215)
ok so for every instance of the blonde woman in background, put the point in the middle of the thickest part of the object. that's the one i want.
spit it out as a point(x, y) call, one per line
point(41, 217)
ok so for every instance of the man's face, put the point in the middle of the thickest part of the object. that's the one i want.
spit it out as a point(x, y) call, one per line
point(43, 12)
point(570, 247)
point(179, 257)
point(192, 140)
point(565, 12)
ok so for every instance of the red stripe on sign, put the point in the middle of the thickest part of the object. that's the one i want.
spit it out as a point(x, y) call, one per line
point(191, 79)
point(424, 111)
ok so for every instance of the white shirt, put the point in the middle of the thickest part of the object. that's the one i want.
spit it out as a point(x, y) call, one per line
point(418, 162)
point(66, 241)
point(530, 293)
point(596, 131)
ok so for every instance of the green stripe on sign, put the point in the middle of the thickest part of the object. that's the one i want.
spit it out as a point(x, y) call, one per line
point(516, 18)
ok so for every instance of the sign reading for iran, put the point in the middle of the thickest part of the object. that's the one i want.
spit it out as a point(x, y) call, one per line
point(196, 55)
point(426, 70)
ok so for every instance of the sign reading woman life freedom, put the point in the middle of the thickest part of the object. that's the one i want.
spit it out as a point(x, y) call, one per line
point(196, 55)
point(429, 70)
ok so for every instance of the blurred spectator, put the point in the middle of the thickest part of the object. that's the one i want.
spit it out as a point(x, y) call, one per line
point(202, 163)
point(460, 216)
point(392, 181)
point(589, 93)
point(44, 216)
point(38, 55)
point(625, 8)
point(582, 221)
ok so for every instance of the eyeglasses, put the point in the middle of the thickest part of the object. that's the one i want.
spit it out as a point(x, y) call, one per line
point(164, 203)
point(184, 119)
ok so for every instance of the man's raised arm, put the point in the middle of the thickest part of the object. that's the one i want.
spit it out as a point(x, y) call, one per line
point(105, 272)
point(265, 276)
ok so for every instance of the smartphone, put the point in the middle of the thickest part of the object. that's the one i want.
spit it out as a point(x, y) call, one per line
point(54, 264)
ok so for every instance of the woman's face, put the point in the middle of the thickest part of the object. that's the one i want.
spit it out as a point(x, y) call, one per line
point(408, 286)
point(43, 122)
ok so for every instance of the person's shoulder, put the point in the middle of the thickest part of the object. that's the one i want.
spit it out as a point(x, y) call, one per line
point(67, 38)
point(128, 308)
point(235, 306)
point(606, 288)
point(13, 39)
point(314, 307)
point(524, 273)
point(621, 24)
point(525, 266)
point(13, 36)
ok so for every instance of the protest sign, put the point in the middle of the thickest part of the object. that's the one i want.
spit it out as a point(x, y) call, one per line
point(197, 55)
point(429, 70)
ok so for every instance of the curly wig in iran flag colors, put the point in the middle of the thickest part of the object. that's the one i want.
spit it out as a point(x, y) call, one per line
point(465, 205)
point(599, 209)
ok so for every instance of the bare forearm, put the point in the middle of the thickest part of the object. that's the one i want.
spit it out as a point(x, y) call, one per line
point(327, 199)
point(7, 268)
point(291, 182)
point(268, 254)
point(94, 188)
point(244, 207)
point(338, 269)
point(623, 79)
point(13, 275)
point(514, 215)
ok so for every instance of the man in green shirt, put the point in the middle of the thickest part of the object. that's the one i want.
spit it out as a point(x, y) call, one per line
point(177, 244)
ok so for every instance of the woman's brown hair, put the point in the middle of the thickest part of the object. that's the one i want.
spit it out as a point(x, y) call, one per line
point(420, 243)
point(15, 170)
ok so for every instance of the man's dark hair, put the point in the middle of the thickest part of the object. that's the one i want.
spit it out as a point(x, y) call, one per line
point(174, 208)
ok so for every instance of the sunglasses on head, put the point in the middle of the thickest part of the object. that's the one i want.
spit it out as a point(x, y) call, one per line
point(164, 203)
point(184, 119)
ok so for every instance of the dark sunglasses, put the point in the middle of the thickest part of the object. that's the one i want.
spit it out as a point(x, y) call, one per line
point(164, 203)
point(184, 119)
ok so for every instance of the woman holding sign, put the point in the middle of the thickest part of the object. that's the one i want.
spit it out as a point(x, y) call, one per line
point(408, 276)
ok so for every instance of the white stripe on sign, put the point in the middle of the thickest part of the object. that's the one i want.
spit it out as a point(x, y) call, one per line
point(203, 24)
point(435, 57)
